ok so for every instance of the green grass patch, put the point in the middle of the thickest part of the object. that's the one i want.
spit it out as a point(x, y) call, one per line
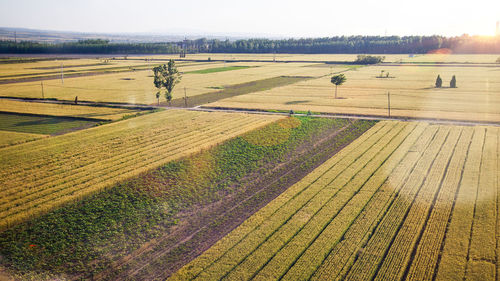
point(240, 89)
point(83, 238)
point(46, 125)
point(217, 69)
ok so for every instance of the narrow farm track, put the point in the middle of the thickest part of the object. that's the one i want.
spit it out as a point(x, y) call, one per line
point(41, 175)
point(405, 201)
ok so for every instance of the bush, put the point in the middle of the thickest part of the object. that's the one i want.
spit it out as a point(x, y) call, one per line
point(364, 59)
point(439, 82)
point(453, 82)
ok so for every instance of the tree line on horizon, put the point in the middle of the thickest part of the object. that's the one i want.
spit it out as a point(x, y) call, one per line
point(329, 45)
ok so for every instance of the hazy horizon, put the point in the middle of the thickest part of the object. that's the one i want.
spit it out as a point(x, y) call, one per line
point(259, 18)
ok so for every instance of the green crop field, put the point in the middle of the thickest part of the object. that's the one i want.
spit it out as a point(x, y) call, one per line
point(45, 125)
point(217, 69)
point(411, 201)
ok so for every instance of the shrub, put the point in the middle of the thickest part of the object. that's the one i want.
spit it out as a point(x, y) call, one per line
point(364, 59)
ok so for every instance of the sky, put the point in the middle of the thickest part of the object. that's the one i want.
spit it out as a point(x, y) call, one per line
point(291, 18)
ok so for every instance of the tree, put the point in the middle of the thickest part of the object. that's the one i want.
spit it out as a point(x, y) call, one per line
point(439, 82)
point(338, 80)
point(158, 78)
point(166, 76)
point(158, 94)
point(453, 82)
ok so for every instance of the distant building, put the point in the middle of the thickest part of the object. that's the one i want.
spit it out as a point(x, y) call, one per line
point(498, 29)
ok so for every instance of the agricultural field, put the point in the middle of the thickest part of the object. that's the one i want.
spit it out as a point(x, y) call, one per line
point(89, 193)
point(53, 68)
point(8, 138)
point(43, 125)
point(153, 223)
point(65, 110)
point(136, 87)
point(411, 88)
point(405, 201)
point(44, 174)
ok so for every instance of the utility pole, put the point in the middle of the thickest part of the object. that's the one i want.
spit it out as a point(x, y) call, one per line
point(15, 37)
point(43, 96)
point(185, 98)
point(62, 74)
point(389, 103)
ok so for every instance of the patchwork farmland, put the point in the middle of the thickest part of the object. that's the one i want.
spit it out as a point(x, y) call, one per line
point(253, 171)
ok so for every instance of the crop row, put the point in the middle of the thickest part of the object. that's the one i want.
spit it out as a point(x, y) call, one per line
point(102, 177)
point(398, 255)
point(108, 165)
point(285, 244)
point(367, 263)
point(413, 202)
point(129, 153)
point(251, 253)
point(429, 247)
point(111, 172)
point(342, 254)
point(297, 195)
point(76, 146)
point(129, 149)
point(452, 263)
point(270, 237)
point(483, 240)
point(315, 246)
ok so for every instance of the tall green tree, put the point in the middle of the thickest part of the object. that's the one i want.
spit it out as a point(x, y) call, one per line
point(439, 82)
point(338, 80)
point(453, 82)
point(166, 76)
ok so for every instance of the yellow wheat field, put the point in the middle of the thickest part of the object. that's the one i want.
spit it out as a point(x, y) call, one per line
point(8, 138)
point(67, 110)
point(41, 175)
point(405, 201)
point(137, 87)
point(412, 94)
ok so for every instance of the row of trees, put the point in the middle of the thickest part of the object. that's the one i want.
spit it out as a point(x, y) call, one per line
point(87, 47)
point(327, 45)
